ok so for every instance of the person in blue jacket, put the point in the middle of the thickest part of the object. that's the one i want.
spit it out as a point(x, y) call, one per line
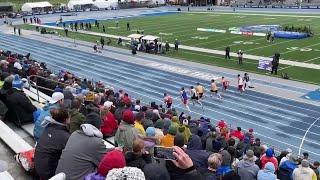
point(55, 103)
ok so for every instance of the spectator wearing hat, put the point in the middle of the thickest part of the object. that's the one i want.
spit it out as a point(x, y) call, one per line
point(304, 172)
point(138, 124)
point(20, 107)
point(111, 160)
point(158, 129)
point(76, 118)
point(168, 139)
point(150, 140)
point(126, 133)
point(125, 173)
point(250, 135)
point(267, 173)
point(56, 102)
point(51, 143)
point(138, 157)
point(83, 152)
point(269, 157)
point(109, 125)
point(287, 167)
point(197, 154)
point(184, 130)
point(246, 168)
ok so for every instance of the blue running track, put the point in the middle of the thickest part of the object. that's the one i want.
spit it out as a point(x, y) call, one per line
point(277, 121)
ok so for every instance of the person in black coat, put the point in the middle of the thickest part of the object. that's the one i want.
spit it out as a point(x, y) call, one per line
point(275, 63)
point(51, 143)
point(18, 102)
point(227, 53)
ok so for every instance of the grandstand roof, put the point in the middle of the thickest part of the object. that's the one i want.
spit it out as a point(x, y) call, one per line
point(30, 6)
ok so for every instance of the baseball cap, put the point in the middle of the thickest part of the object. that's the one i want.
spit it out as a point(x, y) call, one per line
point(250, 130)
point(57, 96)
point(108, 104)
point(17, 66)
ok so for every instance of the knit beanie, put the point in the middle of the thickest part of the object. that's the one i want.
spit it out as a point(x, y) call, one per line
point(172, 130)
point(112, 159)
point(150, 132)
point(269, 152)
point(128, 117)
point(126, 173)
point(159, 124)
point(17, 83)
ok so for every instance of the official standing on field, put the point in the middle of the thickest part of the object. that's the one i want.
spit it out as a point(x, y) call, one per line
point(227, 52)
point(275, 63)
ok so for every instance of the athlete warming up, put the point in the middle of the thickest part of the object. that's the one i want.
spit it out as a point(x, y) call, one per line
point(214, 89)
point(184, 98)
point(167, 100)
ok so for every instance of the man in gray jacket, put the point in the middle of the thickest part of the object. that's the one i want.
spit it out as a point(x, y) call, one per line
point(83, 152)
point(247, 169)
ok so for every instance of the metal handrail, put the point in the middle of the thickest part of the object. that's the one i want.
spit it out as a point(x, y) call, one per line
point(31, 83)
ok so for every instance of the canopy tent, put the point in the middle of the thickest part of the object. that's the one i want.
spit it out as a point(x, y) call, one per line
point(150, 38)
point(80, 4)
point(102, 4)
point(135, 36)
point(44, 6)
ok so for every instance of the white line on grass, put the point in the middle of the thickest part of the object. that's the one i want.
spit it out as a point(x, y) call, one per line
point(302, 141)
point(255, 14)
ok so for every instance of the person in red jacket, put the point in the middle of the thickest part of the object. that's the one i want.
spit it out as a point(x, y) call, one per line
point(110, 125)
point(269, 157)
point(238, 134)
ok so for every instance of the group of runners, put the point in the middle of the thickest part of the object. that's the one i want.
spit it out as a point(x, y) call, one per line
point(197, 93)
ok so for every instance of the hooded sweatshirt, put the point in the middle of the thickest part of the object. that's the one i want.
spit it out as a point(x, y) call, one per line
point(83, 152)
point(304, 173)
point(247, 170)
point(194, 150)
point(267, 173)
point(49, 147)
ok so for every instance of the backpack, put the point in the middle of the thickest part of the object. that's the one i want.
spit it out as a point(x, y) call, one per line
point(26, 159)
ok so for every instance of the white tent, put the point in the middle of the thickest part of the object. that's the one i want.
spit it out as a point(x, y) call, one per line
point(102, 4)
point(36, 6)
point(80, 4)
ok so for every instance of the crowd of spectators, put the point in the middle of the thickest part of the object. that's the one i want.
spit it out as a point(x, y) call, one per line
point(70, 131)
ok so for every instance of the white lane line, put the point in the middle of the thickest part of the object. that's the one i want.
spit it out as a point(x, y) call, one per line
point(231, 90)
point(304, 137)
point(267, 99)
point(82, 62)
point(194, 112)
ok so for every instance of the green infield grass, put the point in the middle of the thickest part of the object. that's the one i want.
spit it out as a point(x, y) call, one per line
point(183, 26)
